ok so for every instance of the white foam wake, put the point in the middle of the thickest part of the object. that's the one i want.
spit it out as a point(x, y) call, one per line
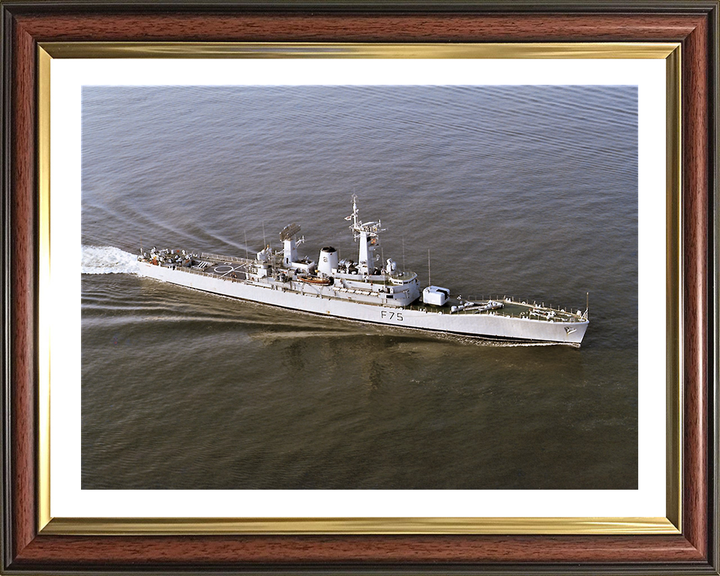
point(108, 260)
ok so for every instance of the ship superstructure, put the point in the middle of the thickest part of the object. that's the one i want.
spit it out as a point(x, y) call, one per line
point(365, 290)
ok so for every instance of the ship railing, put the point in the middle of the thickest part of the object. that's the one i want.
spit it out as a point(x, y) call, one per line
point(518, 300)
point(222, 258)
point(195, 271)
point(210, 275)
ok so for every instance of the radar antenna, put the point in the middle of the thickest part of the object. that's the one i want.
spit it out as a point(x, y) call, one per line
point(289, 231)
point(371, 229)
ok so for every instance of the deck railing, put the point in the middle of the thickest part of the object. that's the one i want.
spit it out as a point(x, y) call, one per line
point(516, 300)
point(225, 258)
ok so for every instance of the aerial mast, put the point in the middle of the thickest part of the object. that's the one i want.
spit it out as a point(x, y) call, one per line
point(429, 282)
point(368, 233)
point(587, 304)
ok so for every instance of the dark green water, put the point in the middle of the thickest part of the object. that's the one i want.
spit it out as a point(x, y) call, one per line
point(525, 191)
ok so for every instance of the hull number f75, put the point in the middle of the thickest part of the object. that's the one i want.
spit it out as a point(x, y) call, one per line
point(391, 315)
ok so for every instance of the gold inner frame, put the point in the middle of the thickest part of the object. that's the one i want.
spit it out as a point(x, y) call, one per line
point(671, 524)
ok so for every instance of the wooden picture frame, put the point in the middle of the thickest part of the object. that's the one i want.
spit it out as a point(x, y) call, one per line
point(26, 25)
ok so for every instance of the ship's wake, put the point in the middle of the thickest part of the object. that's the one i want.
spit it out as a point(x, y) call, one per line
point(108, 260)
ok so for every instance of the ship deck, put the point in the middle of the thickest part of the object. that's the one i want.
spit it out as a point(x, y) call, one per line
point(235, 269)
point(510, 308)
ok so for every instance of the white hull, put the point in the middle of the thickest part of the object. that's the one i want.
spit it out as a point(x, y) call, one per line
point(317, 300)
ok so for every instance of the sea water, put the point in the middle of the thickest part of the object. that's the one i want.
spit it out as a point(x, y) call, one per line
point(525, 191)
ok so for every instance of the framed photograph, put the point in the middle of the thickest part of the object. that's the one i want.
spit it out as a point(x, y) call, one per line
point(360, 288)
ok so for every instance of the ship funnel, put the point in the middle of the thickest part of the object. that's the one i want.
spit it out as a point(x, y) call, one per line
point(328, 261)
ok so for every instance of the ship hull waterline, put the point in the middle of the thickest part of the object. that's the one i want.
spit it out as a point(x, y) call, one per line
point(487, 326)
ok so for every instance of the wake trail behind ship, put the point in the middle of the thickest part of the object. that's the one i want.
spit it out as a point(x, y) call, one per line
point(108, 260)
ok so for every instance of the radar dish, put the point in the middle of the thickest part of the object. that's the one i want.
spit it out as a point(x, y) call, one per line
point(289, 231)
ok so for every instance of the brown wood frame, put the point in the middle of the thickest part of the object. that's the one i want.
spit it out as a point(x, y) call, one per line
point(693, 23)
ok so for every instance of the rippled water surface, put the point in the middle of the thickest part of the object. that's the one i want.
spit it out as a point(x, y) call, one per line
point(524, 191)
